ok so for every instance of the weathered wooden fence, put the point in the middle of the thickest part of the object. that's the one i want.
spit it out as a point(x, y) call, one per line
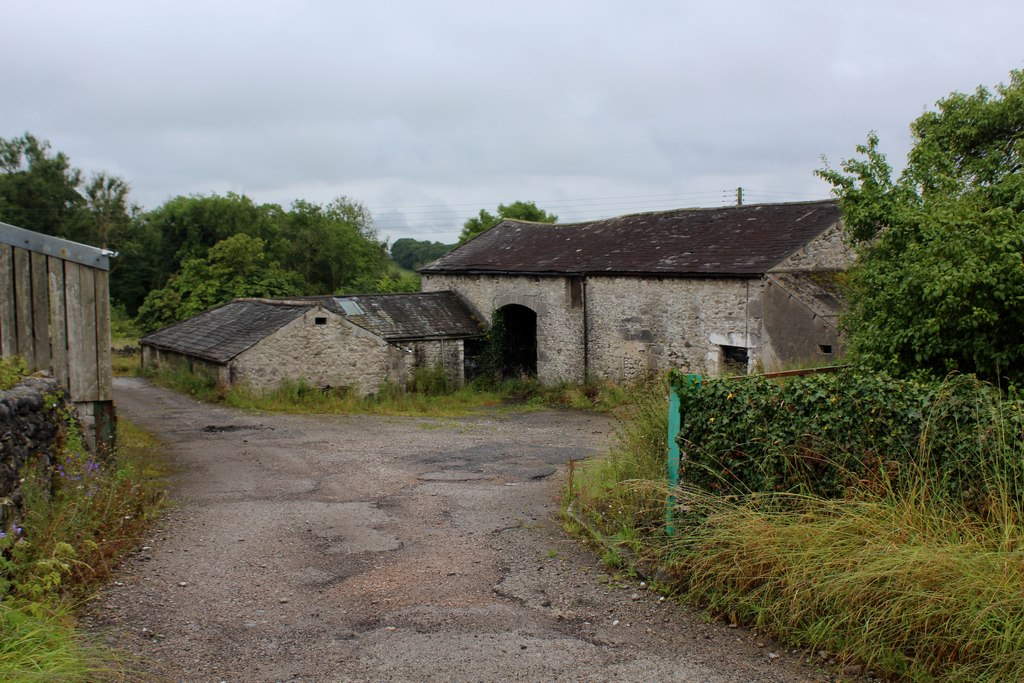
point(55, 313)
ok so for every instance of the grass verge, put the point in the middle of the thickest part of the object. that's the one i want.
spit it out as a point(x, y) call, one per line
point(905, 581)
point(913, 589)
point(72, 536)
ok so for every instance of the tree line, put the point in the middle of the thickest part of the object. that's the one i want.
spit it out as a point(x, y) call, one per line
point(413, 254)
point(198, 251)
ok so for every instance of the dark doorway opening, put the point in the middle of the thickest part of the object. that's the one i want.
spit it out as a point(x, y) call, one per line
point(519, 352)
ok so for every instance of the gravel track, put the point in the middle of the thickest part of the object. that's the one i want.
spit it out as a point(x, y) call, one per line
point(359, 548)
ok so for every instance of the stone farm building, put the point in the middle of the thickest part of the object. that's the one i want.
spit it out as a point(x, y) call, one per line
point(707, 290)
point(357, 342)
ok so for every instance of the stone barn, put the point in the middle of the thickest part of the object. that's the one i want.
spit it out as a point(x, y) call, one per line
point(358, 342)
point(711, 291)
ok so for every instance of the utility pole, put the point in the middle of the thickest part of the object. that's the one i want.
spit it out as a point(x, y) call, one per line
point(739, 196)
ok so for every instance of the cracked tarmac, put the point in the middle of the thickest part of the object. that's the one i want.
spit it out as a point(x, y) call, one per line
point(362, 548)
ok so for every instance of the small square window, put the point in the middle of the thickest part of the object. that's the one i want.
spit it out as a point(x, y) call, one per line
point(734, 360)
point(825, 349)
point(319, 321)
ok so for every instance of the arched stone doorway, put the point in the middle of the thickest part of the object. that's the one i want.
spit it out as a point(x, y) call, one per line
point(519, 351)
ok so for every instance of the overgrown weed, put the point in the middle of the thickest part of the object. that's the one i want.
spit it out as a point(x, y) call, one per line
point(429, 392)
point(896, 573)
point(125, 363)
point(915, 589)
point(614, 491)
point(12, 370)
point(198, 384)
point(81, 515)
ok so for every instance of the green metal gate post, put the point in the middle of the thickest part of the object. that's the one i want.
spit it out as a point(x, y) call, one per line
point(673, 459)
point(674, 455)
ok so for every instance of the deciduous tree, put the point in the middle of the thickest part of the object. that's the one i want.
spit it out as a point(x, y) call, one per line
point(39, 187)
point(235, 267)
point(939, 286)
point(523, 211)
point(411, 253)
point(334, 247)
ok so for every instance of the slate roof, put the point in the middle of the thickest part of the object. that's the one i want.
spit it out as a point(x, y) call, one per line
point(416, 315)
point(721, 242)
point(222, 333)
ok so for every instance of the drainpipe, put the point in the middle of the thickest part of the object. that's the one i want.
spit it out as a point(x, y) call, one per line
point(586, 333)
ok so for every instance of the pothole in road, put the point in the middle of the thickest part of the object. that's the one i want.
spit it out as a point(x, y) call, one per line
point(452, 476)
point(235, 428)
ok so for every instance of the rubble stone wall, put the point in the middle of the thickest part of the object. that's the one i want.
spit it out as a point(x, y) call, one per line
point(32, 418)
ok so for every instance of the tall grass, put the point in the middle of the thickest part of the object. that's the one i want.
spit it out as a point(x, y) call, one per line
point(429, 392)
point(621, 493)
point(44, 647)
point(198, 384)
point(913, 587)
point(900, 576)
point(125, 362)
point(81, 517)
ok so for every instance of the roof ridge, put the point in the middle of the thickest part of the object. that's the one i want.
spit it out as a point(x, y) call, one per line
point(701, 242)
point(694, 209)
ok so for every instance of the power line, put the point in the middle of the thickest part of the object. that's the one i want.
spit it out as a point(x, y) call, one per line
point(552, 202)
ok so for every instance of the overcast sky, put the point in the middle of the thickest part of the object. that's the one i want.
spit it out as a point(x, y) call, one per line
point(429, 111)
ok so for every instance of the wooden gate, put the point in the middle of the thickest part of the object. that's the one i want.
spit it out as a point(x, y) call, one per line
point(55, 313)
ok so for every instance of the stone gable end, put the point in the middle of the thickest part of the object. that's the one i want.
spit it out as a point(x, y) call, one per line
point(321, 347)
point(827, 251)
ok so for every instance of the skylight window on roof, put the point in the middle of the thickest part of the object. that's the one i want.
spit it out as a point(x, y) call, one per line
point(349, 307)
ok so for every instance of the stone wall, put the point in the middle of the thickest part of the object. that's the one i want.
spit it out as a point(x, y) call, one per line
point(406, 357)
point(30, 429)
point(795, 332)
point(827, 251)
point(325, 350)
point(321, 347)
point(559, 323)
point(643, 324)
point(621, 328)
point(634, 325)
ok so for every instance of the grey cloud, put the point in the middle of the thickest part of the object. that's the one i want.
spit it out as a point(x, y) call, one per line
point(460, 104)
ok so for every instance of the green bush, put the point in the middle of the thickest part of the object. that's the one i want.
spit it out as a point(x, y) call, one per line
point(827, 434)
point(431, 380)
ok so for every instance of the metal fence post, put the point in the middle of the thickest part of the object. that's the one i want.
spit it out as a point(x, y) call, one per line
point(673, 459)
point(674, 454)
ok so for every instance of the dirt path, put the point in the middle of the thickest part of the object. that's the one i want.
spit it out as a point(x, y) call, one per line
point(356, 548)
